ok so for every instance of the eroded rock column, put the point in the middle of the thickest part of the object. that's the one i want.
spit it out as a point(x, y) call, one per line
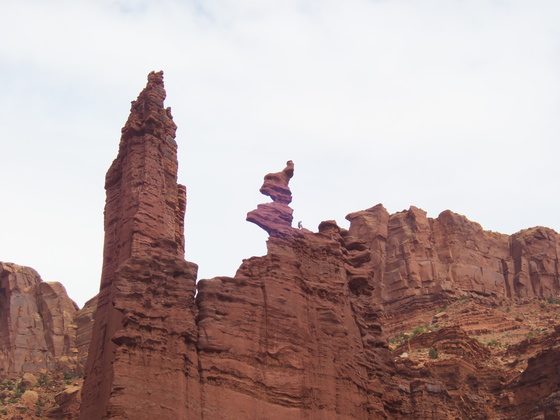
point(142, 357)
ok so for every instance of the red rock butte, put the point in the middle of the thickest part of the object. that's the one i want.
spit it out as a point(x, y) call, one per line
point(297, 333)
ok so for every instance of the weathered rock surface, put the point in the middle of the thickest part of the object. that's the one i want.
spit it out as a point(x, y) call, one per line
point(29, 380)
point(419, 261)
point(287, 337)
point(67, 404)
point(37, 330)
point(29, 398)
point(142, 357)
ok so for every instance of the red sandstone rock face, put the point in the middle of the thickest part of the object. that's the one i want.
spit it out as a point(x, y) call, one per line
point(417, 259)
point(143, 340)
point(286, 338)
point(294, 334)
point(535, 254)
point(36, 323)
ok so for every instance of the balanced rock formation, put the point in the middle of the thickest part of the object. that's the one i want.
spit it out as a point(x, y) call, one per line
point(277, 216)
point(143, 341)
point(37, 330)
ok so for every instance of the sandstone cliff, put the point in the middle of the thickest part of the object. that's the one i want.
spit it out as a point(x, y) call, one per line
point(37, 324)
point(418, 260)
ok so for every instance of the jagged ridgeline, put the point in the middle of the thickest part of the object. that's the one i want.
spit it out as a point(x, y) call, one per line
point(400, 316)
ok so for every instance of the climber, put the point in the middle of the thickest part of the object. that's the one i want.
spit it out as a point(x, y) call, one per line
point(331, 232)
point(300, 225)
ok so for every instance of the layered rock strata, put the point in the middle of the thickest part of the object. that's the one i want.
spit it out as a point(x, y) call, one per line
point(419, 260)
point(287, 337)
point(37, 329)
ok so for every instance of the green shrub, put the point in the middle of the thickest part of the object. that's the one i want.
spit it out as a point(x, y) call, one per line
point(43, 380)
point(393, 340)
point(418, 330)
point(433, 353)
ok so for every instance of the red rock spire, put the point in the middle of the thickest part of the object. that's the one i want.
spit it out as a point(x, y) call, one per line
point(144, 243)
point(145, 206)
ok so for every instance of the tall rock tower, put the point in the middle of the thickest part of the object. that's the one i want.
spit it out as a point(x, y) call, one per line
point(144, 334)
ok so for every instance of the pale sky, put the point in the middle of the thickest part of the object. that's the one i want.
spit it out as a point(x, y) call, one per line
point(450, 104)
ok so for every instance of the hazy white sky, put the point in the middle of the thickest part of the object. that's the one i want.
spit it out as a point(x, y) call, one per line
point(450, 104)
